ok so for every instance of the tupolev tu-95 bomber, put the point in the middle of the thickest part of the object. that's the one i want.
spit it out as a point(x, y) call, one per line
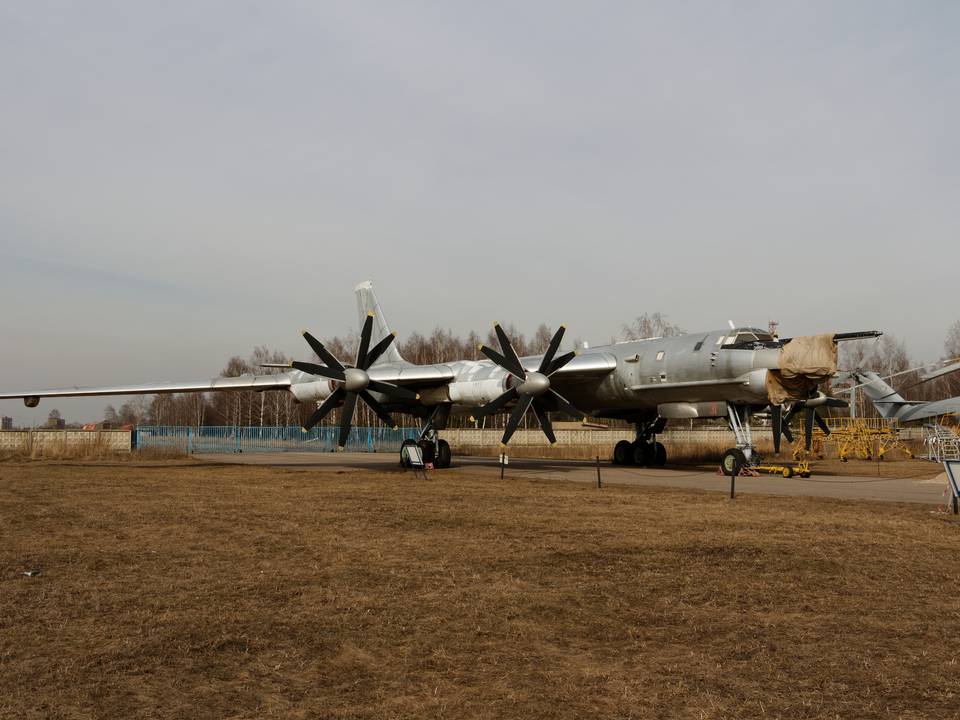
point(729, 373)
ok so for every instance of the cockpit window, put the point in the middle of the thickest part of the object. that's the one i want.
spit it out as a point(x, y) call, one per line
point(748, 335)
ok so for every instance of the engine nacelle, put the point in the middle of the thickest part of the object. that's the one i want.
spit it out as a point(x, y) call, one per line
point(758, 384)
point(477, 392)
point(312, 391)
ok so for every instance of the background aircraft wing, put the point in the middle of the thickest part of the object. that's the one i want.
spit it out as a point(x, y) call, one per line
point(242, 382)
point(933, 409)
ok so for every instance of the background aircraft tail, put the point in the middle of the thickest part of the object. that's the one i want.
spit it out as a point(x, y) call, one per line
point(367, 303)
point(887, 400)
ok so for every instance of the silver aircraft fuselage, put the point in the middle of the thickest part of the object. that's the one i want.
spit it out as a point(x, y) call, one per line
point(686, 376)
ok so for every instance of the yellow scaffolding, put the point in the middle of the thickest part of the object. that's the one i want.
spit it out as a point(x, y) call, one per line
point(863, 438)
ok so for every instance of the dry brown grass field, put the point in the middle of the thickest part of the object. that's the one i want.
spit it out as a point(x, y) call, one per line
point(176, 590)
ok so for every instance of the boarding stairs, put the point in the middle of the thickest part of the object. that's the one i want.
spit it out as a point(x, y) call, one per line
point(942, 442)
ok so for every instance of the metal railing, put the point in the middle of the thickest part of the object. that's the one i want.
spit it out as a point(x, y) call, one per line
point(231, 439)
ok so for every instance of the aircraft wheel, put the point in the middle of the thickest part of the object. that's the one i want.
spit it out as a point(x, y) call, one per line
point(659, 455)
point(641, 453)
point(733, 461)
point(404, 462)
point(443, 454)
point(623, 453)
point(788, 472)
point(428, 450)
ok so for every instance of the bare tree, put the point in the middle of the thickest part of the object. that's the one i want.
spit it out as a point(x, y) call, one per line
point(650, 325)
point(110, 416)
point(950, 387)
point(541, 339)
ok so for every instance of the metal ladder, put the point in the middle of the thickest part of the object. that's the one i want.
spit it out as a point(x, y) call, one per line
point(942, 442)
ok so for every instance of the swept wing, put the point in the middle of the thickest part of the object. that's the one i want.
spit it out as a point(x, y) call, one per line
point(242, 382)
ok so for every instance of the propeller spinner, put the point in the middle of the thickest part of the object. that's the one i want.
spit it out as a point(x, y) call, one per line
point(353, 382)
point(532, 388)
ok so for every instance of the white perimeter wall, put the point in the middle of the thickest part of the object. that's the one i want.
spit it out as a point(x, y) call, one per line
point(58, 441)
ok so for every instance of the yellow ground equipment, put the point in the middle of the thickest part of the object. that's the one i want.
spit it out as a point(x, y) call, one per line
point(802, 469)
point(863, 438)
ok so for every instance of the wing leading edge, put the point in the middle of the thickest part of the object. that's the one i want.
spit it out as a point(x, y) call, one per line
point(242, 382)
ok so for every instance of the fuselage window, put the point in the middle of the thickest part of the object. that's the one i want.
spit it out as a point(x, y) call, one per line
point(660, 355)
point(698, 345)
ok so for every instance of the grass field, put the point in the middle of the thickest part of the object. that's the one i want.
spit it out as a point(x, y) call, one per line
point(173, 590)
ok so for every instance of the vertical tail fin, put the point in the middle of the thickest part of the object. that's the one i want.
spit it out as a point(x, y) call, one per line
point(885, 399)
point(367, 303)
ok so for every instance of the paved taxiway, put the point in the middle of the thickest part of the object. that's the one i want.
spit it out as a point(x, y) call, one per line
point(886, 488)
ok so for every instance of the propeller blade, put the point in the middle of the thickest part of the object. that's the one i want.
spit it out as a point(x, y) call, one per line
point(776, 414)
point(821, 422)
point(787, 433)
point(514, 421)
point(808, 428)
point(365, 333)
point(564, 404)
point(551, 350)
point(494, 405)
point(378, 350)
point(835, 403)
point(515, 370)
point(321, 412)
point(321, 370)
point(506, 347)
point(560, 362)
point(792, 413)
point(393, 391)
point(544, 421)
point(346, 416)
point(322, 352)
point(378, 409)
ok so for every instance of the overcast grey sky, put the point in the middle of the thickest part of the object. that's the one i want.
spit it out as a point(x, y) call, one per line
point(182, 181)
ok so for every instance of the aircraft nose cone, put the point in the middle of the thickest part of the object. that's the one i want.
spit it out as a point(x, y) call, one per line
point(535, 384)
point(356, 380)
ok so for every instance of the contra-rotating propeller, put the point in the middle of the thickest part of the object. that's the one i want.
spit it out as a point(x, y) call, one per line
point(354, 381)
point(781, 424)
point(533, 388)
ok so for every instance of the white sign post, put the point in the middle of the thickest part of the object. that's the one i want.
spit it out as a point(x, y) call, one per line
point(414, 458)
point(953, 478)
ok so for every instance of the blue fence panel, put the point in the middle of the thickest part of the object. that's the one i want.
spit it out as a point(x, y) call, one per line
point(232, 439)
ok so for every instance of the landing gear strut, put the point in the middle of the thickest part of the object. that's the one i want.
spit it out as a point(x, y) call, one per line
point(645, 451)
point(433, 449)
point(744, 454)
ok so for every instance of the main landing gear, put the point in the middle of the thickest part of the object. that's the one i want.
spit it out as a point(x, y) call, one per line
point(434, 450)
point(645, 451)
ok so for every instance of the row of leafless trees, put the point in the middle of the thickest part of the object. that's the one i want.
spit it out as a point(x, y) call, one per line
point(889, 358)
point(886, 356)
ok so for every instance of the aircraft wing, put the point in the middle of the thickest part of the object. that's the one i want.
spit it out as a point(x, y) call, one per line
point(412, 374)
point(933, 409)
point(587, 365)
point(242, 382)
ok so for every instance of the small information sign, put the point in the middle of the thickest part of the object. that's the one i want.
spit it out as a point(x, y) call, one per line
point(953, 478)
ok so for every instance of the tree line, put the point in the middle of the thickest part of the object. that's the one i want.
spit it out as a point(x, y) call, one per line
point(886, 356)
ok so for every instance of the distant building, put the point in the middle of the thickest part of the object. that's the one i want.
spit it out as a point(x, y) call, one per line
point(6, 423)
point(55, 423)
